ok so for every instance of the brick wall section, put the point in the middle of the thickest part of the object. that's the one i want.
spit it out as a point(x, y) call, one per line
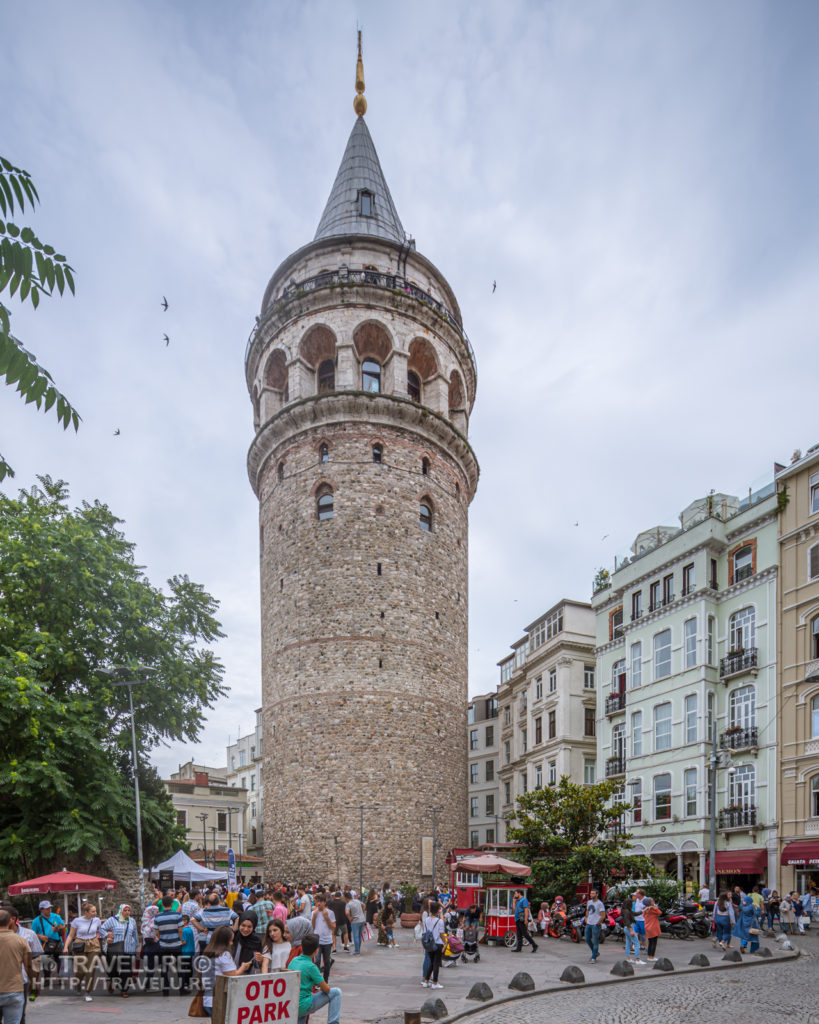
point(364, 676)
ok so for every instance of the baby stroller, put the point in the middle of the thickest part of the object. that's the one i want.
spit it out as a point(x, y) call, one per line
point(452, 951)
point(471, 955)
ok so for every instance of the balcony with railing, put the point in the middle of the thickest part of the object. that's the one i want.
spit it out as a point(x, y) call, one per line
point(615, 766)
point(737, 662)
point(743, 573)
point(616, 828)
point(615, 702)
point(737, 738)
point(737, 817)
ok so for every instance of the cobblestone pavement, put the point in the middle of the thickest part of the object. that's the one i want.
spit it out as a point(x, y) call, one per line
point(380, 985)
point(787, 991)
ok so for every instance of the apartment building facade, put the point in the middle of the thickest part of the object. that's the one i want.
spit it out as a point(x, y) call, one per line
point(482, 744)
point(798, 676)
point(547, 705)
point(212, 812)
point(244, 771)
point(686, 647)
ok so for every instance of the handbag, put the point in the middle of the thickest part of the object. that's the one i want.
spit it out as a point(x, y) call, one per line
point(419, 931)
point(367, 933)
point(77, 948)
point(115, 948)
point(197, 1007)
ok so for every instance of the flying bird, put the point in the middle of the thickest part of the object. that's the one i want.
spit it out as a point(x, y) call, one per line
point(116, 432)
point(167, 340)
point(605, 535)
point(494, 286)
point(164, 303)
point(577, 524)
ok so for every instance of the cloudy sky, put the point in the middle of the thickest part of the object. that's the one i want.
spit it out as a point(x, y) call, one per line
point(640, 178)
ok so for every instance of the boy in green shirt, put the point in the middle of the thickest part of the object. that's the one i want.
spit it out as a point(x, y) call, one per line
point(310, 976)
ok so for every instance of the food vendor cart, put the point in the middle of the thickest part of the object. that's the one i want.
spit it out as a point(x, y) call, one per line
point(499, 889)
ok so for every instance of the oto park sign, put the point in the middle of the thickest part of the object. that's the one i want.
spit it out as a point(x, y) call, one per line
point(257, 998)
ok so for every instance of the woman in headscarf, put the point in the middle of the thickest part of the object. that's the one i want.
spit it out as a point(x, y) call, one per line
point(747, 927)
point(120, 932)
point(298, 927)
point(247, 943)
point(150, 938)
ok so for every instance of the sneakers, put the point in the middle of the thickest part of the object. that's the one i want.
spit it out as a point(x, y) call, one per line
point(651, 959)
point(593, 960)
point(436, 985)
point(88, 999)
point(641, 962)
point(424, 984)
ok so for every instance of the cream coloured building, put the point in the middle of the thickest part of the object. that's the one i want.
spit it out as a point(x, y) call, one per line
point(547, 705)
point(483, 792)
point(798, 675)
point(212, 811)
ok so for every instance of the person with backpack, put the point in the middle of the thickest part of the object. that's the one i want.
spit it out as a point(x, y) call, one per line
point(432, 939)
point(51, 929)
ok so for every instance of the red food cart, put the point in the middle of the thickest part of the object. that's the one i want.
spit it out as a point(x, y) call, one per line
point(499, 889)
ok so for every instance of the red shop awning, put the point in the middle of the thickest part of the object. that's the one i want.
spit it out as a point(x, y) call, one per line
point(739, 862)
point(803, 853)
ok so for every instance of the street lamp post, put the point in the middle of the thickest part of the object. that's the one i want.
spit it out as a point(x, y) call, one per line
point(360, 808)
point(718, 759)
point(214, 830)
point(130, 683)
point(203, 818)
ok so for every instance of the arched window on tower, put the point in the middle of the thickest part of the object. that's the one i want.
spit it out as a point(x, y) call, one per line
point(378, 451)
point(281, 471)
point(326, 376)
point(324, 503)
point(414, 386)
point(370, 375)
point(324, 453)
point(425, 515)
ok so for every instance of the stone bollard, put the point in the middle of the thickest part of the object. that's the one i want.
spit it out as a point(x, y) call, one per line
point(480, 991)
point(786, 945)
point(763, 951)
point(699, 960)
point(622, 969)
point(573, 975)
point(733, 955)
point(663, 964)
point(434, 1008)
point(522, 982)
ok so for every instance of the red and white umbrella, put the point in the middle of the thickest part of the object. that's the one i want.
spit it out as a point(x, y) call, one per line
point(64, 881)
point(489, 862)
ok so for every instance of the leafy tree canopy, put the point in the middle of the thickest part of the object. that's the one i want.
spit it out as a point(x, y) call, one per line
point(74, 606)
point(29, 269)
point(568, 832)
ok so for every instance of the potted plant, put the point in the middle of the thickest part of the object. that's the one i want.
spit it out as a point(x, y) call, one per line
point(408, 918)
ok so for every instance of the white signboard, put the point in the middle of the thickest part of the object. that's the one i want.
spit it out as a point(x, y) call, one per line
point(262, 998)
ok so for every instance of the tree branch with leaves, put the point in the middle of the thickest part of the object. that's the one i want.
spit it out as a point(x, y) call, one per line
point(29, 269)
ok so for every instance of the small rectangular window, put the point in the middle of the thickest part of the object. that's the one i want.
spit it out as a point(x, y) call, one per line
point(365, 204)
point(668, 588)
point(662, 727)
point(691, 718)
point(636, 665)
point(553, 773)
point(473, 739)
point(690, 640)
point(490, 835)
point(489, 803)
point(588, 721)
point(690, 786)
point(552, 680)
point(490, 736)
point(589, 771)
point(662, 654)
point(552, 725)
point(636, 605)
point(654, 596)
point(524, 782)
point(507, 752)
point(814, 493)
point(637, 734)
point(588, 677)
point(538, 688)
point(524, 739)
point(538, 729)
point(538, 776)
point(688, 578)
point(473, 774)
point(473, 807)
point(181, 819)
point(507, 715)
point(507, 792)
point(637, 801)
point(662, 797)
point(490, 771)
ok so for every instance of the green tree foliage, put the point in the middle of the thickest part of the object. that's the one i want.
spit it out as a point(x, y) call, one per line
point(566, 833)
point(73, 604)
point(29, 269)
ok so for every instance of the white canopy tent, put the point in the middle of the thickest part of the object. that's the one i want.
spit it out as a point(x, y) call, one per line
point(188, 870)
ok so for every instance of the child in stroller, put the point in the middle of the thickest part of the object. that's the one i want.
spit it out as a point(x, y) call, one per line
point(471, 955)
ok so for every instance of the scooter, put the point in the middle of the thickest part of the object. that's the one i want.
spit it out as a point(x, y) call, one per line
point(676, 924)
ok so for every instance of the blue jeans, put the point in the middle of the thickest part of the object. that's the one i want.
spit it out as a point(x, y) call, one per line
point(592, 937)
point(333, 997)
point(722, 924)
point(632, 944)
point(358, 928)
point(12, 1005)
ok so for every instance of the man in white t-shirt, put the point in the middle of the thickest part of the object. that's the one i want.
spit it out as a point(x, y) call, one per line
point(324, 924)
point(705, 893)
point(303, 906)
point(595, 909)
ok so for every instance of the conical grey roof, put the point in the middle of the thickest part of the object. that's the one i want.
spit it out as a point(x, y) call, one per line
point(360, 172)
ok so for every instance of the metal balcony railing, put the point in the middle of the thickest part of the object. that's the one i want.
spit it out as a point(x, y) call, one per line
point(737, 817)
point(615, 766)
point(743, 572)
point(615, 702)
point(616, 828)
point(740, 739)
point(738, 661)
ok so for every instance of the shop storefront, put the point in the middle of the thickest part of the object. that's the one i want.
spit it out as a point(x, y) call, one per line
point(803, 857)
point(745, 868)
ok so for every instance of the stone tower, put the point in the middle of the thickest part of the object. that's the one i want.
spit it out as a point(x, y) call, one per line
point(362, 381)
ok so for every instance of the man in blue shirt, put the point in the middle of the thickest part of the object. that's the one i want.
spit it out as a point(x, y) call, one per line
point(212, 916)
point(49, 926)
point(522, 919)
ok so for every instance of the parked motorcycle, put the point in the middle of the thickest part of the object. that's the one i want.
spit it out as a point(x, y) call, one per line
point(674, 923)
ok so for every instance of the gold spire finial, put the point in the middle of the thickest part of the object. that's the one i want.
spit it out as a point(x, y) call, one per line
point(359, 103)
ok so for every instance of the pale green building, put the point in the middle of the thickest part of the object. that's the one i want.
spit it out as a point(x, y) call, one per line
point(686, 637)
